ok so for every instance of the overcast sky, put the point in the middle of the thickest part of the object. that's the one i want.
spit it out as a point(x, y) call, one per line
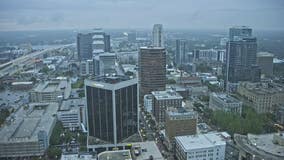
point(131, 14)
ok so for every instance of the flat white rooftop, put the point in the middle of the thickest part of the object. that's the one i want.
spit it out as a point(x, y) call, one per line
point(200, 141)
point(164, 95)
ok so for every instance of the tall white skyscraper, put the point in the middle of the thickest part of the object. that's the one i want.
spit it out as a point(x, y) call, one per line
point(158, 36)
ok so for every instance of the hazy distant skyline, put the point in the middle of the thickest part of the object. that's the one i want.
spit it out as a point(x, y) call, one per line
point(131, 14)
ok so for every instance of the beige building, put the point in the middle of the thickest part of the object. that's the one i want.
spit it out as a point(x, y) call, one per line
point(180, 122)
point(264, 96)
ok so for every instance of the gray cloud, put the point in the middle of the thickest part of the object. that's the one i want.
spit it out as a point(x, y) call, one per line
point(186, 14)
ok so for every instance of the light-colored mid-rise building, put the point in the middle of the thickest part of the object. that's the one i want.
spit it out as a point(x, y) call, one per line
point(225, 102)
point(158, 35)
point(210, 146)
point(87, 67)
point(263, 96)
point(72, 113)
point(51, 91)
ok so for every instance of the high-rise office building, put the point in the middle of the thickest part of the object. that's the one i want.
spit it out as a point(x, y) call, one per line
point(112, 109)
point(152, 70)
point(241, 56)
point(158, 35)
point(93, 43)
point(239, 31)
point(265, 62)
point(84, 46)
point(180, 51)
point(132, 36)
point(107, 43)
point(98, 44)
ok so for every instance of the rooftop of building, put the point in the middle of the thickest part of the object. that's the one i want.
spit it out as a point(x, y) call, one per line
point(151, 48)
point(25, 123)
point(199, 141)
point(265, 54)
point(72, 103)
point(225, 98)
point(76, 156)
point(261, 146)
point(264, 142)
point(107, 55)
point(263, 88)
point(147, 149)
point(22, 83)
point(111, 79)
point(241, 27)
point(166, 95)
point(181, 113)
point(51, 86)
point(56, 85)
point(115, 155)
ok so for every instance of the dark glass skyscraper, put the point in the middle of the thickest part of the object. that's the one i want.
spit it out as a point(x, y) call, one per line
point(241, 56)
point(107, 43)
point(152, 70)
point(239, 31)
point(112, 108)
point(84, 46)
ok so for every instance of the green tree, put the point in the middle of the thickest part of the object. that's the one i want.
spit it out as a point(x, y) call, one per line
point(55, 138)
point(53, 152)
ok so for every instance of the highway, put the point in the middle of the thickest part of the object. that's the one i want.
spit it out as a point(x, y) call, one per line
point(16, 65)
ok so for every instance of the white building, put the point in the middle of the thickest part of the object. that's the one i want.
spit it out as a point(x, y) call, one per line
point(148, 102)
point(158, 35)
point(98, 45)
point(72, 113)
point(209, 146)
point(224, 102)
point(87, 67)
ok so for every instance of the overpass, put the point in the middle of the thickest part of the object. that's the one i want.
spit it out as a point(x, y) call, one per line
point(17, 64)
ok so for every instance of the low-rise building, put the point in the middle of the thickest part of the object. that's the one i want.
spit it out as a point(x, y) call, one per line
point(26, 132)
point(162, 100)
point(225, 102)
point(51, 91)
point(264, 96)
point(72, 113)
point(22, 85)
point(209, 146)
point(137, 151)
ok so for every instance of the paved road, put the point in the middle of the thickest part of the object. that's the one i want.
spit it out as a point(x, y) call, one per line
point(18, 64)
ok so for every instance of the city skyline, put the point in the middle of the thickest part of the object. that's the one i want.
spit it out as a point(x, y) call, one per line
point(52, 15)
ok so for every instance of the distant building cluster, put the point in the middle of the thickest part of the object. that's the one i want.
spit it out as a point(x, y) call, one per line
point(263, 96)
